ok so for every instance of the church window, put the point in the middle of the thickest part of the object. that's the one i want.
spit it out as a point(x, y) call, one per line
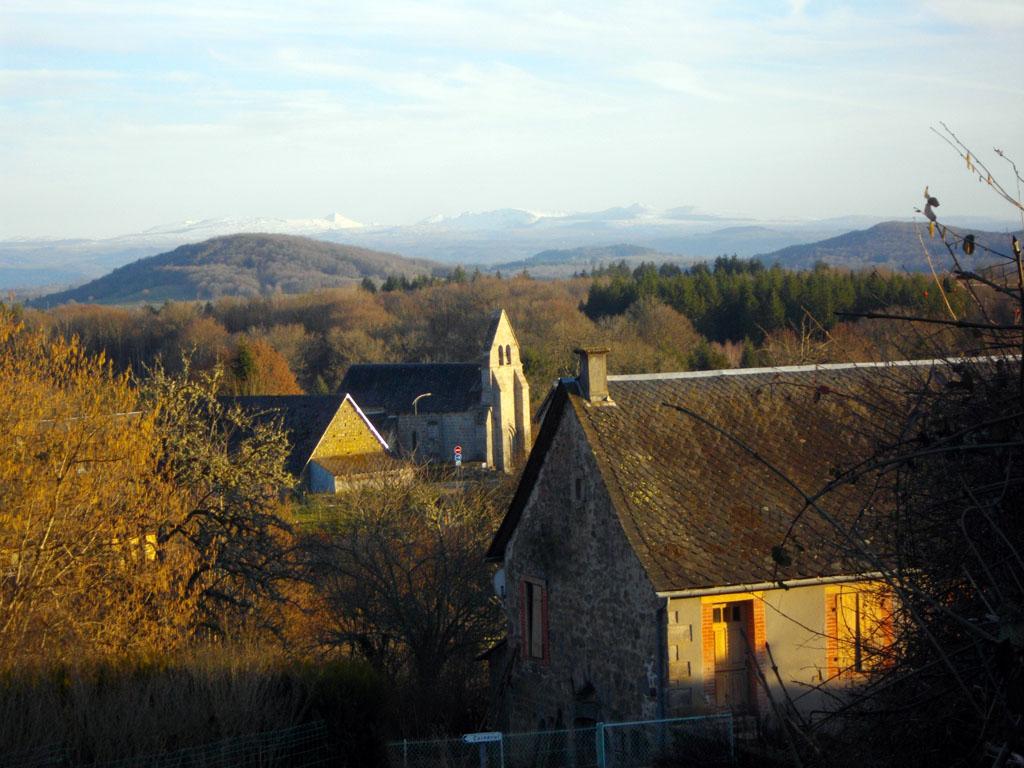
point(501, 355)
point(508, 354)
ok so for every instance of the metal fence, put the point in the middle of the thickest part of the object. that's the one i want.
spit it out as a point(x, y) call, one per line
point(684, 741)
point(301, 746)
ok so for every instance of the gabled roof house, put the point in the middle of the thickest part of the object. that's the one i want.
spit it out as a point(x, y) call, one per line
point(659, 542)
point(332, 444)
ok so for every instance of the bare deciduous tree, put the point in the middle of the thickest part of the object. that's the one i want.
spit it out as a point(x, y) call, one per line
point(401, 569)
point(947, 494)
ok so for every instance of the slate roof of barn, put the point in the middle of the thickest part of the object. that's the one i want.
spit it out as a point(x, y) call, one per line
point(304, 417)
point(701, 467)
point(391, 387)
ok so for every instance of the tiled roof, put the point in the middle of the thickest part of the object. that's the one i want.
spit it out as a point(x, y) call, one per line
point(304, 417)
point(392, 387)
point(700, 509)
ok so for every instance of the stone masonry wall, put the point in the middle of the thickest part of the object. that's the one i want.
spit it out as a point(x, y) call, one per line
point(506, 391)
point(437, 434)
point(347, 435)
point(602, 613)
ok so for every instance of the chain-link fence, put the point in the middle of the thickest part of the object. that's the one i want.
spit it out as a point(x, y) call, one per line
point(301, 746)
point(697, 741)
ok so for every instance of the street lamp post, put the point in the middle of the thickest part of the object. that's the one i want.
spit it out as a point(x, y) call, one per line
point(416, 400)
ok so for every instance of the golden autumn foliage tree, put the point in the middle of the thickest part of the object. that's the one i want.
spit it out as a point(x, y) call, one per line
point(256, 368)
point(131, 517)
point(82, 495)
point(228, 469)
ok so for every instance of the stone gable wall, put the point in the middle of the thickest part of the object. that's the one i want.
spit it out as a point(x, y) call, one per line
point(347, 435)
point(605, 629)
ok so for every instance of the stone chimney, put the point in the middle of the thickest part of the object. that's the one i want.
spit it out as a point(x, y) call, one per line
point(593, 375)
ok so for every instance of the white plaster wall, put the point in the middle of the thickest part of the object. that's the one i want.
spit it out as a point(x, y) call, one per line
point(794, 627)
point(794, 621)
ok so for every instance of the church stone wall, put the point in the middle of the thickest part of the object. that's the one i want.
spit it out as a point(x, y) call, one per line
point(437, 434)
point(495, 431)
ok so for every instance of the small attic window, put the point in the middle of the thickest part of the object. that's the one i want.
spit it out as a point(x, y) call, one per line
point(501, 355)
point(577, 489)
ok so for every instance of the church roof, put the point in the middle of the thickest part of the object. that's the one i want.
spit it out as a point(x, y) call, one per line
point(392, 387)
point(701, 509)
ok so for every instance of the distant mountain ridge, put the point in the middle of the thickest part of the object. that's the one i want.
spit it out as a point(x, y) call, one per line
point(241, 265)
point(486, 238)
point(891, 244)
point(586, 256)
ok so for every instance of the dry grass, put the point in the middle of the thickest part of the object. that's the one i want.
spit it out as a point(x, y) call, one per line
point(117, 709)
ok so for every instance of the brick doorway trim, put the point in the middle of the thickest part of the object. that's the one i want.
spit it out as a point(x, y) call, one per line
point(755, 632)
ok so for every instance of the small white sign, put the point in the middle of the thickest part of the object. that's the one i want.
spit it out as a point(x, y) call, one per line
point(482, 738)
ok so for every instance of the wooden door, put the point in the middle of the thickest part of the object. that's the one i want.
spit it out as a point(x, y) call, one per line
point(732, 680)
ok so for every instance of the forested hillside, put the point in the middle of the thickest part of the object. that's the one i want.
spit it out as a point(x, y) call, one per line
point(735, 299)
point(240, 265)
point(729, 313)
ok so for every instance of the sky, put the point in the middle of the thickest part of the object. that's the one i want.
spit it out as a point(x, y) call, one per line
point(119, 116)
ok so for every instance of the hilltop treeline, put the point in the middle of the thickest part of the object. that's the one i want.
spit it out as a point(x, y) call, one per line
point(735, 299)
point(730, 313)
point(242, 265)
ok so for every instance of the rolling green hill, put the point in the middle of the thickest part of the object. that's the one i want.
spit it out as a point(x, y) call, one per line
point(240, 265)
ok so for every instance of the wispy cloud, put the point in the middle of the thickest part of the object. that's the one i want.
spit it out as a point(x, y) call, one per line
point(675, 77)
point(452, 104)
point(1003, 15)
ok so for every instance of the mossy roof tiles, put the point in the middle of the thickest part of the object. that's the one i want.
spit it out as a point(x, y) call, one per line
point(707, 473)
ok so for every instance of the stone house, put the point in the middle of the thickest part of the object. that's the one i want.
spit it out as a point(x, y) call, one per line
point(641, 564)
point(427, 409)
point(333, 445)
